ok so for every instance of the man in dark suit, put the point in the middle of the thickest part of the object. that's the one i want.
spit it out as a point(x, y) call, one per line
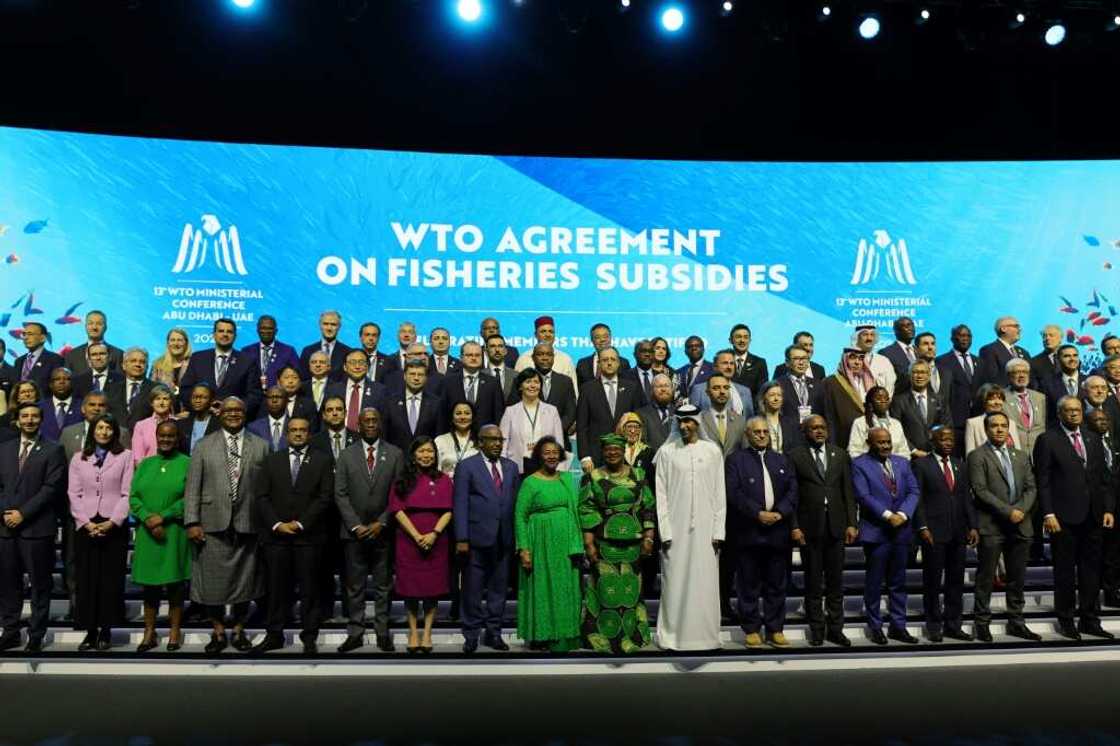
point(356, 390)
point(406, 338)
point(485, 491)
point(601, 402)
point(802, 395)
point(498, 366)
point(38, 362)
point(657, 416)
point(995, 354)
point(61, 408)
point(441, 361)
point(272, 355)
point(98, 375)
point(1100, 422)
point(489, 328)
point(32, 482)
point(415, 412)
point(315, 387)
point(960, 367)
point(823, 524)
point(78, 359)
point(1004, 489)
point(750, 369)
point(363, 475)
point(946, 521)
point(697, 369)
point(232, 373)
point(332, 440)
point(296, 489)
point(335, 437)
point(587, 368)
point(805, 341)
point(888, 496)
point(468, 383)
point(273, 425)
point(641, 373)
point(1044, 365)
point(330, 323)
point(1078, 500)
point(369, 335)
point(918, 410)
point(201, 421)
point(901, 352)
point(1066, 382)
point(761, 502)
point(557, 389)
point(128, 398)
point(433, 382)
point(925, 348)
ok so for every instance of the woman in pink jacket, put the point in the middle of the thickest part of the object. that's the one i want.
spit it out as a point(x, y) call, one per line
point(100, 478)
point(144, 434)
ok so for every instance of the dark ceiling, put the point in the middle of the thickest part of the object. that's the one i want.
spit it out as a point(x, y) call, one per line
point(769, 81)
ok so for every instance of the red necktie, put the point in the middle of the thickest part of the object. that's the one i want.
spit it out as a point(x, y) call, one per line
point(1078, 446)
point(1025, 410)
point(948, 473)
point(369, 458)
point(497, 476)
point(352, 407)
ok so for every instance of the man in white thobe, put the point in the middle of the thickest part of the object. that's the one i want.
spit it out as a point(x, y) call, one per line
point(691, 508)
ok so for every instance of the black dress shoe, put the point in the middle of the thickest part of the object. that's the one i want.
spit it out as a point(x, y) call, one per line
point(217, 644)
point(934, 635)
point(839, 638)
point(242, 642)
point(270, 642)
point(310, 647)
point(353, 642)
point(385, 643)
point(34, 644)
point(983, 633)
point(496, 643)
point(816, 639)
point(956, 633)
point(88, 642)
point(1066, 629)
point(104, 640)
point(1112, 600)
point(902, 635)
point(1023, 632)
point(1095, 629)
point(470, 645)
point(10, 639)
point(876, 636)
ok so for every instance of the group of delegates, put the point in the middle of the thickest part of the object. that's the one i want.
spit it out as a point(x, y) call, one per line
point(262, 473)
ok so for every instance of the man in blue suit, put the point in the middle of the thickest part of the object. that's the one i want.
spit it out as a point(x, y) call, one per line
point(697, 370)
point(232, 373)
point(61, 407)
point(271, 356)
point(485, 489)
point(761, 499)
point(888, 496)
point(272, 426)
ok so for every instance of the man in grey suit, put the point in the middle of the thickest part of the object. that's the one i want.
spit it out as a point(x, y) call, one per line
point(657, 416)
point(218, 511)
point(1004, 487)
point(363, 475)
point(718, 423)
point(1025, 407)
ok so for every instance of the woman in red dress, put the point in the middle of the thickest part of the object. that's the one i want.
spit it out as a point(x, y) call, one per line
point(421, 502)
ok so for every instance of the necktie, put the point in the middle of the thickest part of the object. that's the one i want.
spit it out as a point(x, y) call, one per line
point(1008, 472)
point(97, 381)
point(371, 371)
point(1079, 446)
point(60, 416)
point(413, 413)
point(370, 460)
point(934, 378)
point(28, 365)
point(767, 484)
point(441, 364)
point(498, 375)
point(966, 361)
point(327, 350)
point(497, 476)
point(738, 366)
point(692, 372)
point(909, 352)
point(24, 453)
point(223, 366)
point(337, 447)
point(923, 407)
point(233, 464)
point(471, 390)
point(1025, 412)
point(888, 475)
point(612, 395)
point(645, 382)
point(721, 426)
point(664, 414)
point(353, 407)
point(947, 469)
point(802, 391)
point(133, 390)
point(546, 386)
point(317, 392)
point(297, 458)
point(1071, 386)
point(276, 435)
point(266, 357)
point(818, 456)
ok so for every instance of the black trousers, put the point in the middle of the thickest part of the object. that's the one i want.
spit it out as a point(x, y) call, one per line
point(289, 564)
point(728, 562)
point(99, 571)
point(1076, 553)
point(943, 574)
point(1110, 549)
point(762, 572)
point(19, 555)
point(1014, 549)
point(822, 566)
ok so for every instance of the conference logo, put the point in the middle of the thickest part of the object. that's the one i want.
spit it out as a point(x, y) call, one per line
point(210, 241)
point(882, 257)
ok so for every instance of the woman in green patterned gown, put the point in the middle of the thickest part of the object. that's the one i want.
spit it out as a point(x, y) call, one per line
point(618, 516)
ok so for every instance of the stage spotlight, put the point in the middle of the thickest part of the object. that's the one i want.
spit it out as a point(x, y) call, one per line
point(1017, 20)
point(924, 14)
point(244, 4)
point(1055, 34)
point(826, 11)
point(672, 19)
point(1113, 24)
point(624, 4)
point(869, 27)
point(469, 10)
point(728, 6)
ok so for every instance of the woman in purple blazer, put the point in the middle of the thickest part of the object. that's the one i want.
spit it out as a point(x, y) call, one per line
point(100, 478)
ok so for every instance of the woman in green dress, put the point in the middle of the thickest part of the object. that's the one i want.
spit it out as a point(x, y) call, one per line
point(546, 527)
point(618, 515)
point(160, 558)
